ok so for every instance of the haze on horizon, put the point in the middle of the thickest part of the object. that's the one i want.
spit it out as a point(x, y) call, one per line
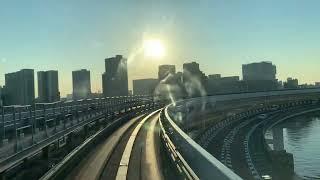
point(219, 35)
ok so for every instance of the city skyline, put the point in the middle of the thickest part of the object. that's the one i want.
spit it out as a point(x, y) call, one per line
point(208, 75)
point(58, 35)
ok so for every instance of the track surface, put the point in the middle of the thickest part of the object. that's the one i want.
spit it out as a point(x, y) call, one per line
point(93, 164)
point(145, 160)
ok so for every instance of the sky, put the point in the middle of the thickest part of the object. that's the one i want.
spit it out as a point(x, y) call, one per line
point(220, 35)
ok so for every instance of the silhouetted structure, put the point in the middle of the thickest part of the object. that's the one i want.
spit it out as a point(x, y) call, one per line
point(19, 88)
point(144, 86)
point(259, 71)
point(165, 70)
point(1, 97)
point(221, 85)
point(291, 83)
point(259, 76)
point(48, 86)
point(115, 79)
point(81, 84)
point(194, 80)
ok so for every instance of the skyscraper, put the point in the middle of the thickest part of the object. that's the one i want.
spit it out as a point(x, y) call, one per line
point(259, 71)
point(81, 84)
point(48, 86)
point(115, 78)
point(259, 76)
point(194, 80)
point(165, 70)
point(19, 88)
point(1, 96)
point(291, 83)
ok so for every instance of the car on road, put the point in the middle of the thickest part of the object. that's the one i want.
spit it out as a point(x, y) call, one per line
point(262, 116)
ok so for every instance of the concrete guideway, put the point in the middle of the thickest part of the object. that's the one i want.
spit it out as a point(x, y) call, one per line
point(234, 150)
point(141, 158)
point(93, 164)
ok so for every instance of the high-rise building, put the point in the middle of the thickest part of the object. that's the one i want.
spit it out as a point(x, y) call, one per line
point(259, 76)
point(144, 86)
point(194, 80)
point(259, 71)
point(19, 88)
point(1, 104)
point(291, 83)
point(48, 86)
point(81, 84)
point(115, 78)
point(165, 70)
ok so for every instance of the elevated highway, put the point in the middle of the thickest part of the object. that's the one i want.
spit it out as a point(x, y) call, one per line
point(199, 138)
point(194, 121)
point(130, 152)
point(39, 136)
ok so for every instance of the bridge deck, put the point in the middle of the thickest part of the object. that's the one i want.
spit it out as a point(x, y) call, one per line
point(93, 164)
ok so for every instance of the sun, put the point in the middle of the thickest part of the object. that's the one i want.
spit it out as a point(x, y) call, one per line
point(153, 48)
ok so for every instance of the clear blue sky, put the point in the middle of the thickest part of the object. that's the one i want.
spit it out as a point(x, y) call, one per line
point(219, 34)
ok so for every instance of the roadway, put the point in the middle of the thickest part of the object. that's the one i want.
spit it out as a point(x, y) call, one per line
point(131, 152)
point(231, 145)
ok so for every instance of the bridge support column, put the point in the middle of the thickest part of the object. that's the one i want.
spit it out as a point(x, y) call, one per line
point(278, 144)
point(70, 141)
point(45, 152)
point(3, 176)
point(86, 130)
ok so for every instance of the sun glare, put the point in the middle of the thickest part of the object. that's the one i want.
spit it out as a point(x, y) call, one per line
point(153, 48)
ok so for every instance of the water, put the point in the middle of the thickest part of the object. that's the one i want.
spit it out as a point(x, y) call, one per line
point(301, 137)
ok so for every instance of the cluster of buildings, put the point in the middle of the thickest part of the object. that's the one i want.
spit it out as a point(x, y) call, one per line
point(191, 82)
point(19, 88)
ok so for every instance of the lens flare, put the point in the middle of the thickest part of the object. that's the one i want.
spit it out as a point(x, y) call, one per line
point(153, 48)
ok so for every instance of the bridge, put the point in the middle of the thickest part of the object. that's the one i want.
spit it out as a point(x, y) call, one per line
point(135, 137)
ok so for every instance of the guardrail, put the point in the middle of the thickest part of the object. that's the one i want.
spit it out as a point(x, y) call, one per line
point(176, 158)
point(63, 168)
point(23, 120)
point(88, 113)
point(203, 164)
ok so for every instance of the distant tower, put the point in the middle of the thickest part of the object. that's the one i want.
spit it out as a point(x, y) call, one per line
point(165, 70)
point(259, 76)
point(194, 79)
point(115, 78)
point(48, 86)
point(19, 88)
point(259, 71)
point(81, 84)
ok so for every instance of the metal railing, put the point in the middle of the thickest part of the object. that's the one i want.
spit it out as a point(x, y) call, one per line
point(182, 167)
point(202, 164)
point(27, 129)
point(72, 159)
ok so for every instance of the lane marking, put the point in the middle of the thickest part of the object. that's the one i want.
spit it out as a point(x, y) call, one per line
point(125, 159)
